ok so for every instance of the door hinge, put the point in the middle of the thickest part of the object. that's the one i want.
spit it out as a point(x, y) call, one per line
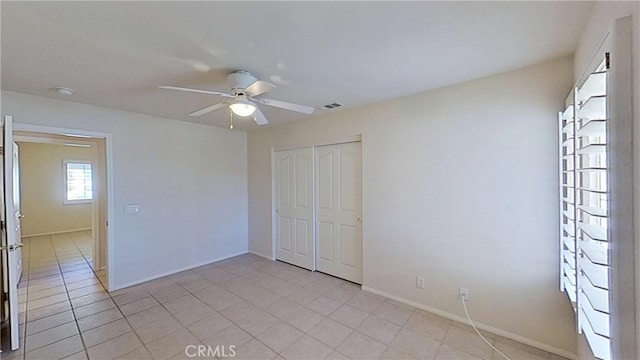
point(607, 60)
point(2, 225)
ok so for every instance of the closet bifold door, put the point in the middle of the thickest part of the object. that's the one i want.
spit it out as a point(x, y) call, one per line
point(294, 207)
point(592, 211)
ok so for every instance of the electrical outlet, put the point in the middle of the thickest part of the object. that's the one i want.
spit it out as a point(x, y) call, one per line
point(419, 282)
point(464, 294)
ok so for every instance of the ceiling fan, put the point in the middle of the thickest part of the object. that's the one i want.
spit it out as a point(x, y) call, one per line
point(244, 91)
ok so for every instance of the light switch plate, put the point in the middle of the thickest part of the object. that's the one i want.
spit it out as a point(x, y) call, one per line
point(132, 209)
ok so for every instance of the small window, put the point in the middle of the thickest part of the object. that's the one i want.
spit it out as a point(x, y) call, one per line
point(78, 182)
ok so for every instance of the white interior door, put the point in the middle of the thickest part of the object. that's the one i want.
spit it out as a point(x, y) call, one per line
point(12, 245)
point(339, 194)
point(294, 207)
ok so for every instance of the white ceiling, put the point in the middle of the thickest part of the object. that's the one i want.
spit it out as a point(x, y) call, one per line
point(116, 54)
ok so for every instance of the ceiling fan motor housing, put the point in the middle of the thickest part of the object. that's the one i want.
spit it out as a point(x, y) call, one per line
point(240, 80)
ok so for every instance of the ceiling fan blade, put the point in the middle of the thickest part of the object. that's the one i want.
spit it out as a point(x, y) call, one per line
point(285, 105)
point(168, 87)
point(259, 117)
point(259, 87)
point(208, 109)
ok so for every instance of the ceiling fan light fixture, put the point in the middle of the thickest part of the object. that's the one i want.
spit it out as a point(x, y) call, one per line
point(243, 107)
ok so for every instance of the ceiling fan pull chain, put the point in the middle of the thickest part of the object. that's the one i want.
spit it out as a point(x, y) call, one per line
point(230, 119)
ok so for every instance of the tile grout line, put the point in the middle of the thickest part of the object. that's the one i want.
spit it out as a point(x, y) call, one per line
point(219, 313)
point(27, 310)
point(27, 303)
point(26, 307)
point(253, 337)
point(175, 283)
point(64, 282)
point(387, 346)
point(446, 332)
point(116, 306)
point(305, 333)
point(62, 277)
point(394, 337)
point(176, 319)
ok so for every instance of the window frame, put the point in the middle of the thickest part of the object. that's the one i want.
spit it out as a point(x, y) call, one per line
point(65, 185)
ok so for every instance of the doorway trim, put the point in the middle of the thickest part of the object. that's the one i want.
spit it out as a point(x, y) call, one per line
point(334, 141)
point(109, 176)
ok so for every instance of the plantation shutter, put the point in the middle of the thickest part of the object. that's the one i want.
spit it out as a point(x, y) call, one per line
point(596, 199)
point(584, 214)
point(592, 211)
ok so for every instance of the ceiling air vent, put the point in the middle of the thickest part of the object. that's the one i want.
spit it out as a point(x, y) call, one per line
point(332, 106)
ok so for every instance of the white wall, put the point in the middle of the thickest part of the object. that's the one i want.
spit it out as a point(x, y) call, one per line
point(601, 19)
point(42, 190)
point(459, 186)
point(189, 179)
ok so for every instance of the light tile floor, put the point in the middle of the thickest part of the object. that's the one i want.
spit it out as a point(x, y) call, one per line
point(264, 309)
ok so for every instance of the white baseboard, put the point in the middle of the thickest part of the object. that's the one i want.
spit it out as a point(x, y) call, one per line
point(55, 232)
point(175, 271)
point(269, 257)
point(460, 319)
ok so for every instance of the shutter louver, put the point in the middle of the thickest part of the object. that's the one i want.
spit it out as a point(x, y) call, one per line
point(584, 210)
point(568, 262)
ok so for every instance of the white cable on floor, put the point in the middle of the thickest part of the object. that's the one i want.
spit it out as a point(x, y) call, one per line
point(464, 305)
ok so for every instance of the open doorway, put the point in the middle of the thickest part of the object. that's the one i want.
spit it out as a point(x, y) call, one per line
point(64, 194)
point(58, 262)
